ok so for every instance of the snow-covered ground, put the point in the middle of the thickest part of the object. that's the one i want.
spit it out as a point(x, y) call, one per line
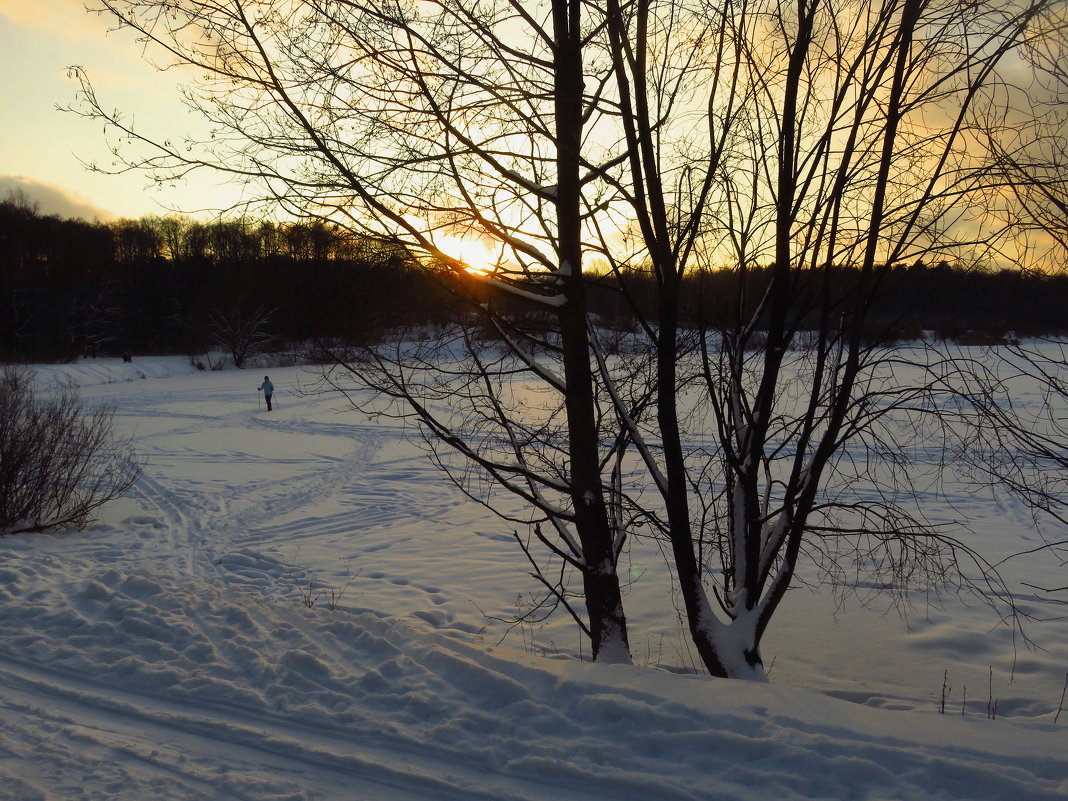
point(295, 605)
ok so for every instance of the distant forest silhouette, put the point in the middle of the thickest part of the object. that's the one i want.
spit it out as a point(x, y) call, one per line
point(165, 285)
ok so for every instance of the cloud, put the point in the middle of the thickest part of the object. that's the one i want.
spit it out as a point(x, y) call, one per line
point(67, 18)
point(51, 199)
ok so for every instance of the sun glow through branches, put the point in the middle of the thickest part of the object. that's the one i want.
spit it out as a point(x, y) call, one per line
point(474, 255)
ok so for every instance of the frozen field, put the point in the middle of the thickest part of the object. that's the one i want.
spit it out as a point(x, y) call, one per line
point(295, 605)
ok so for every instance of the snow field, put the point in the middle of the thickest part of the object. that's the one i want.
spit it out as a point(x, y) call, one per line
point(295, 606)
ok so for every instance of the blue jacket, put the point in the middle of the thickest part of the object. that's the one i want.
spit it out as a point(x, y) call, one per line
point(267, 387)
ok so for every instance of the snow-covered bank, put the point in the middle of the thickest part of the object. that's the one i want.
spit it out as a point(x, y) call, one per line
point(93, 372)
point(170, 651)
point(129, 685)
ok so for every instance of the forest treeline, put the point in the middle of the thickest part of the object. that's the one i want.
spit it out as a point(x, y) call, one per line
point(173, 285)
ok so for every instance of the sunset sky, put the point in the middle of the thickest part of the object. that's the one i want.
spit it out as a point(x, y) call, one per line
point(42, 149)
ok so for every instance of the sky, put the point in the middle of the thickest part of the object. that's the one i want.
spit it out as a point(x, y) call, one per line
point(43, 150)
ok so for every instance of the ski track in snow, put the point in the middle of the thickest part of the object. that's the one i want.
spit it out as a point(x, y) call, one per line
point(404, 712)
point(168, 653)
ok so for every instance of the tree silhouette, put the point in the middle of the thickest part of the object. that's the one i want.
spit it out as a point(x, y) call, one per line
point(806, 147)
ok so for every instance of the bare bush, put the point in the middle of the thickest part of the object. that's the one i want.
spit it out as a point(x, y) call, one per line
point(60, 461)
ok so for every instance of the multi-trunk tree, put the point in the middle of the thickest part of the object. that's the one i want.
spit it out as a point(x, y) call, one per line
point(593, 144)
point(855, 145)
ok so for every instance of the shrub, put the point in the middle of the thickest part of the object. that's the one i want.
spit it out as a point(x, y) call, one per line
point(59, 460)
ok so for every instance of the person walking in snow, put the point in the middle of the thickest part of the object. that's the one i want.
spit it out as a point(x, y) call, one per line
point(267, 388)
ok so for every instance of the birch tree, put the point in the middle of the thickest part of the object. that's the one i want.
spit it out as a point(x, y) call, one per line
point(859, 152)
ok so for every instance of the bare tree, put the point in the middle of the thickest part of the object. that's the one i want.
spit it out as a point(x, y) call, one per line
point(241, 332)
point(59, 461)
point(448, 90)
point(854, 150)
point(653, 137)
point(413, 136)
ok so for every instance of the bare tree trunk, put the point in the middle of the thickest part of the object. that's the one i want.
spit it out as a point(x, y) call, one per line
point(604, 601)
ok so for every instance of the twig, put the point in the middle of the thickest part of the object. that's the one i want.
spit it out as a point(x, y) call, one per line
point(991, 701)
point(1061, 705)
point(945, 689)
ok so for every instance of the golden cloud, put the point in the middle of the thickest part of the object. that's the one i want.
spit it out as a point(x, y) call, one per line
point(65, 18)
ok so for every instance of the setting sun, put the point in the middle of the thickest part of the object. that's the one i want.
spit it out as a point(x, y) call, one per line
point(474, 255)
